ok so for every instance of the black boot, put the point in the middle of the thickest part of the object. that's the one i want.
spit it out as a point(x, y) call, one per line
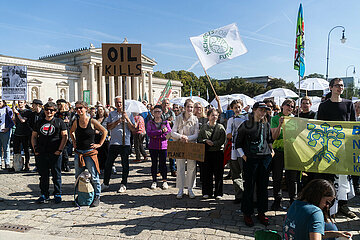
point(277, 206)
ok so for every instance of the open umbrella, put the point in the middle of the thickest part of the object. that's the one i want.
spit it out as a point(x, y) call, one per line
point(227, 99)
point(311, 84)
point(133, 106)
point(181, 100)
point(277, 92)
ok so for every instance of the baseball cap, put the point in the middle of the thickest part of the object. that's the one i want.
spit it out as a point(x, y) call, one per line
point(260, 104)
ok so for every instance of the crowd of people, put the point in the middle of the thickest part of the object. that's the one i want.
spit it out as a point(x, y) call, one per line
point(98, 135)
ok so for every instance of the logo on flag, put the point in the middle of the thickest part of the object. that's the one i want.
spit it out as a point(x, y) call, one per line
point(218, 45)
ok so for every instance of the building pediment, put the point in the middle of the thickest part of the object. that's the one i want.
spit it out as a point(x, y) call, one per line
point(35, 81)
point(62, 84)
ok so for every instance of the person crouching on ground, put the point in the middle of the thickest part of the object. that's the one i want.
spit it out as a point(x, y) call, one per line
point(48, 140)
point(254, 144)
point(82, 134)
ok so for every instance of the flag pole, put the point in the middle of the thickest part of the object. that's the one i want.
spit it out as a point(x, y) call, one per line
point(212, 87)
point(299, 97)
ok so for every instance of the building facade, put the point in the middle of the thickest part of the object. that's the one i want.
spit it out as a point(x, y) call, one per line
point(67, 75)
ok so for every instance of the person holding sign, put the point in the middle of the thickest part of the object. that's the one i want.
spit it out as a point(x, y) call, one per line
point(214, 136)
point(335, 108)
point(186, 129)
point(254, 144)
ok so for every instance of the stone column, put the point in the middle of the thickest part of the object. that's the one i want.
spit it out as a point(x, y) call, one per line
point(135, 88)
point(93, 88)
point(119, 79)
point(102, 87)
point(76, 91)
point(111, 90)
point(150, 88)
point(144, 86)
point(128, 87)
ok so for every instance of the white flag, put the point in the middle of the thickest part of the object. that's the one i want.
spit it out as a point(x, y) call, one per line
point(218, 45)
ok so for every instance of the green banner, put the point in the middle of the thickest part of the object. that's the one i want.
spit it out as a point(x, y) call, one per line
point(86, 96)
point(322, 146)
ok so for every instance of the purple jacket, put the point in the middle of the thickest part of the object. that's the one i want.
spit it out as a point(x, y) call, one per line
point(157, 137)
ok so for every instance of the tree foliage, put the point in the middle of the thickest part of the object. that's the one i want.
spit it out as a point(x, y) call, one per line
point(315, 75)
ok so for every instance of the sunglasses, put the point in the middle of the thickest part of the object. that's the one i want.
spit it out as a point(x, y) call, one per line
point(330, 203)
point(50, 109)
point(290, 106)
point(79, 108)
point(157, 111)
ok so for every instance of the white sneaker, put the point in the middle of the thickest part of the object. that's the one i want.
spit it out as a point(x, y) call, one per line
point(165, 185)
point(180, 194)
point(191, 194)
point(219, 197)
point(122, 188)
point(104, 187)
point(206, 196)
point(114, 170)
point(153, 185)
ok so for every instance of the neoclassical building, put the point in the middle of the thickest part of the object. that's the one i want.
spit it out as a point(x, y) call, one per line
point(68, 74)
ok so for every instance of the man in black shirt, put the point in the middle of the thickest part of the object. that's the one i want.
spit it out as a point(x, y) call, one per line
point(64, 114)
point(22, 133)
point(48, 139)
point(169, 115)
point(305, 108)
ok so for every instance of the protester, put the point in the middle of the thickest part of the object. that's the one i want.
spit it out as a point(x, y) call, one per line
point(270, 104)
point(48, 141)
point(169, 116)
point(92, 112)
point(308, 217)
point(139, 135)
point(82, 133)
point(213, 136)
point(305, 106)
point(335, 108)
point(292, 176)
point(254, 144)
point(22, 134)
point(176, 110)
point(37, 112)
point(101, 117)
point(6, 115)
point(64, 114)
point(157, 129)
point(115, 123)
point(235, 163)
point(199, 112)
point(357, 178)
point(186, 129)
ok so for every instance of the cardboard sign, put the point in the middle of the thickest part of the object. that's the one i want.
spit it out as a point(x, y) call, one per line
point(14, 82)
point(121, 59)
point(193, 151)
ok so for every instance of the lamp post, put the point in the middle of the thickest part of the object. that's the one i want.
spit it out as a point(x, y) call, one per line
point(343, 40)
point(347, 86)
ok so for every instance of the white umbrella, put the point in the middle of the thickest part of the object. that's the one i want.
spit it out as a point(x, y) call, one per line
point(133, 106)
point(181, 100)
point(310, 84)
point(227, 99)
point(277, 92)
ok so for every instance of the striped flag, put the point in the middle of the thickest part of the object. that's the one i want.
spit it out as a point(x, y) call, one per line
point(299, 62)
point(165, 93)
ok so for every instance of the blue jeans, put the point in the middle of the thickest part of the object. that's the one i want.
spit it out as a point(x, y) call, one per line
point(90, 165)
point(44, 162)
point(5, 145)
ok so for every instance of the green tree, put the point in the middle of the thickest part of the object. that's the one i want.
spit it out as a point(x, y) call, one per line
point(159, 74)
point(315, 75)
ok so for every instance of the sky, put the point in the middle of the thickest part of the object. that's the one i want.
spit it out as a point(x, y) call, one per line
point(31, 29)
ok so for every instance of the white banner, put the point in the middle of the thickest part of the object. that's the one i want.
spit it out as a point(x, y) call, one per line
point(218, 45)
point(14, 82)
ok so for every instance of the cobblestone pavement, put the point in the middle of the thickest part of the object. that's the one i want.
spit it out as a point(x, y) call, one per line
point(139, 213)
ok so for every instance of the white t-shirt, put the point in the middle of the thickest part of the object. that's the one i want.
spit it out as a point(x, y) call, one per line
point(232, 126)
